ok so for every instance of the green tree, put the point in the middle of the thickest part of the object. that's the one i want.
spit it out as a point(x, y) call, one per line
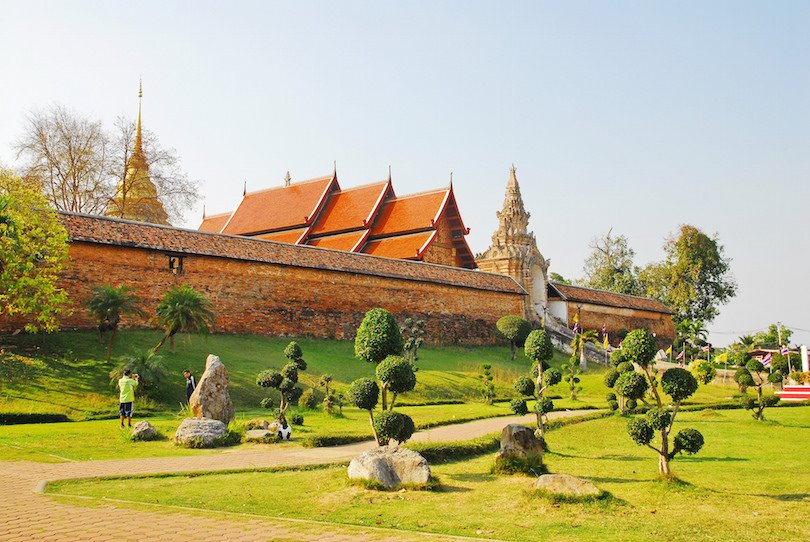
point(570, 375)
point(610, 265)
point(397, 375)
point(559, 279)
point(756, 375)
point(679, 384)
point(695, 277)
point(539, 350)
point(514, 329)
point(578, 345)
point(150, 368)
point(413, 335)
point(107, 305)
point(364, 393)
point(183, 310)
point(487, 387)
point(285, 380)
point(703, 371)
point(378, 337)
point(775, 335)
point(33, 252)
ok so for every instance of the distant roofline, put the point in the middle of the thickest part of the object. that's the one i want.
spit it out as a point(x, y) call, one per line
point(282, 187)
point(642, 298)
point(519, 289)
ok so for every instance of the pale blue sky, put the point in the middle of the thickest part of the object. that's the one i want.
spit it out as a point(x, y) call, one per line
point(632, 115)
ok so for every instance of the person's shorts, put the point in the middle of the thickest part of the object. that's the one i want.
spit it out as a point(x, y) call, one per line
point(125, 409)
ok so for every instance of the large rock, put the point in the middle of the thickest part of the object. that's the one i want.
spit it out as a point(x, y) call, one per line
point(210, 399)
point(565, 484)
point(518, 441)
point(390, 466)
point(199, 432)
point(144, 430)
point(260, 435)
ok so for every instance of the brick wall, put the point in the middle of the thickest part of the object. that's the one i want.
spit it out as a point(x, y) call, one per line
point(593, 316)
point(274, 299)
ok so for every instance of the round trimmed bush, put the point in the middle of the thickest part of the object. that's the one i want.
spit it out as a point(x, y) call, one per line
point(290, 372)
point(308, 399)
point(392, 425)
point(755, 366)
point(364, 393)
point(775, 377)
point(678, 383)
point(268, 402)
point(524, 386)
point(617, 357)
point(639, 347)
point(397, 373)
point(269, 379)
point(538, 346)
point(552, 377)
point(613, 405)
point(297, 419)
point(625, 367)
point(744, 378)
point(640, 431)
point(611, 375)
point(748, 403)
point(610, 396)
point(518, 406)
point(770, 400)
point(544, 405)
point(657, 418)
point(631, 385)
point(630, 405)
point(689, 440)
point(514, 329)
point(703, 370)
point(378, 337)
point(293, 351)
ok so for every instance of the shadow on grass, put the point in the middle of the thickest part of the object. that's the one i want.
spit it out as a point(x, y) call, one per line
point(699, 459)
point(472, 477)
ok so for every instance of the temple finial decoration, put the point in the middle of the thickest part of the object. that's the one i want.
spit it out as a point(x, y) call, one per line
point(389, 173)
point(138, 136)
point(203, 211)
point(287, 179)
point(244, 189)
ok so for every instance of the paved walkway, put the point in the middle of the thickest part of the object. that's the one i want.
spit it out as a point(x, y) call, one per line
point(28, 514)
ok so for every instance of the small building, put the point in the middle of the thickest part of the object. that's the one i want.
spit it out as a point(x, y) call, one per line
point(616, 312)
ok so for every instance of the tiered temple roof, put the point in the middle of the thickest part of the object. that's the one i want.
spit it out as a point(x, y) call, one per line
point(369, 219)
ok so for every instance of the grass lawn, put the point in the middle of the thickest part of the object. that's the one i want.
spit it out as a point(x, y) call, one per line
point(750, 482)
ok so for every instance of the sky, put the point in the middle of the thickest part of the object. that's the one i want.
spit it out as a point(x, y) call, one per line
point(636, 116)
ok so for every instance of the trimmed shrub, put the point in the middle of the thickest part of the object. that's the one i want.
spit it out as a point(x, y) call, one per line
point(518, 406)
point(391, 425)
point(268, 402)
point(515, 330)
point(611, 375)
point(538, 346)
point(617, 357)
point(297, 419)
point(688, 440)
point(524, 386)
point(378, 337)
point(678, 383)
point(639, 347)
point(308, 399)
point(640, 431)
point(364, 393)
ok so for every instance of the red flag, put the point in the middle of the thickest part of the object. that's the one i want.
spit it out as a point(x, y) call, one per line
point(681, 355)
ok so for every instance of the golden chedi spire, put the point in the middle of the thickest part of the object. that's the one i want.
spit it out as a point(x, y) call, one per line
point(136, 196)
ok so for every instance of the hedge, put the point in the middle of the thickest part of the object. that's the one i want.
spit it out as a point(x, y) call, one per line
point(13, 418)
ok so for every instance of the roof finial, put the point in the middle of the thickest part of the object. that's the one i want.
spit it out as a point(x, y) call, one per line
point(451, 179)
point(244, 189)
point(334, 169)
point(512, 176)
point(389, 173)
point(287, 179)
point(138, 137)
point(203, 211)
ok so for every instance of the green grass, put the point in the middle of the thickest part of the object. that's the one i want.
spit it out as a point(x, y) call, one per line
point(750, 482)
point(67, 372)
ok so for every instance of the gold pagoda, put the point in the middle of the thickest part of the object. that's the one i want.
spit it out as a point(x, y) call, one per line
point(136, 196)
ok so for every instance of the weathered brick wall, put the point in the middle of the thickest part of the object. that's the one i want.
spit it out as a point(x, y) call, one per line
point(272, 299)
point(594, 316)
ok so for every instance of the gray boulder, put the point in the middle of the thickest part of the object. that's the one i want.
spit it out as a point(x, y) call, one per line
point(565, 484)
point(144, 430)
point(259, 435)
point(518, 441)
point(210, 398)
point(390, 466)
point(199, 432)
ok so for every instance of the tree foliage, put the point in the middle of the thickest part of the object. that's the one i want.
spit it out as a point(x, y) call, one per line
point(610, 265)
point(150, 368)
point(695, 277)
point(413, 335)
point(285, 380)
point(397, 375)
point(395, 426)
point(107, 305)
point(514, 329)
point(183, 310)
point(756, 375)
point(33, 252)
point(378, 337)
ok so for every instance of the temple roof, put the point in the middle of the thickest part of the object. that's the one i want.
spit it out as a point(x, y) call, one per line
point(349, 242)
point(567, 292)
point(351, 209)
point(410, 246)
point(410, 213)
point(280, 208)
point(214, 223)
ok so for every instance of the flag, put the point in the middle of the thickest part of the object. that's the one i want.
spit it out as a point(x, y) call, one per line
point(707, 348)
point(604, 329)
point(606, 343)
point(669, 351)
point(576, 327)
point(576, 317)
point(681, 355)
point(722, 358)
point(785, 351)
point(766, 361)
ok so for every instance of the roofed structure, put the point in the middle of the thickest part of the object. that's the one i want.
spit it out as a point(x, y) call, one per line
point(580, 294)
point(369, 219)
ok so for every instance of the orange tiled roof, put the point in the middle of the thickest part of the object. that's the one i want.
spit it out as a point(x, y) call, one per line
point(567, 292)
point(214, 223)
point(400, 246)
point(279, 208)
point(126, 233)
point(286, 236)
point(350, 209)
point(342, 241)
point(409, 213)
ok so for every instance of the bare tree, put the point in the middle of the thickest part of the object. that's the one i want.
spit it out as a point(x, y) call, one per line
point(68, 155)
point(174, 189)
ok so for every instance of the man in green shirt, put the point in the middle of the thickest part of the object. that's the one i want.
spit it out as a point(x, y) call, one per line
point(127, 385)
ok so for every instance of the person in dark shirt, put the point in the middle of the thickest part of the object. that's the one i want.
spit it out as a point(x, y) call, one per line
point(191, 383)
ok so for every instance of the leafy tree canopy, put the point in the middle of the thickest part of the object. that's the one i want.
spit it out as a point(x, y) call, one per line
point(610, 265)
point(378, 337)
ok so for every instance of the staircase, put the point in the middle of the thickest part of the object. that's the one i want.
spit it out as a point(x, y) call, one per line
point(795, 393)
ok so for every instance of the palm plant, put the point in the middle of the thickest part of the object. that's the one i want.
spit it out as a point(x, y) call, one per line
point(578, 345)
point(107, 305)
point(150, 368)
point(183, 310)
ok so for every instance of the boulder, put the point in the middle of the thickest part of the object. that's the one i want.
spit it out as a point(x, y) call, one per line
point(259, 434)
point(257, 424)
point(390, 466)
point(199, 432)
point(144, 430)
point(518, 441)
point(210, 398)
point(565, 484)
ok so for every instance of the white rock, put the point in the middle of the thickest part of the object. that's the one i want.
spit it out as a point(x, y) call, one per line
point(144, 430)
point(259, 434)
point(196, 431)
point(390, 466)
point(565, 484)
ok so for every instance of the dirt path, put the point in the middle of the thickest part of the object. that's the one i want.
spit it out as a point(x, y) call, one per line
point(28, 514)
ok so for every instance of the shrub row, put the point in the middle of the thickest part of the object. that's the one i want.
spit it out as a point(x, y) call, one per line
point(13, 418)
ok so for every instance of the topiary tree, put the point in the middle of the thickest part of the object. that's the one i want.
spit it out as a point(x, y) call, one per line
point(285, 380)
point(679, 384)
point(390, 425)
point(703, 371)
point(539, 350)
point(515, 330)
point(487, 387)
point(518, 406)
point(755, 375)
point(364, 393)
point(570, 375)
point(630, 386)
point(743, 379)
point(397, 375)
point(617, 357)
point(378, 337)
point(413, 333)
